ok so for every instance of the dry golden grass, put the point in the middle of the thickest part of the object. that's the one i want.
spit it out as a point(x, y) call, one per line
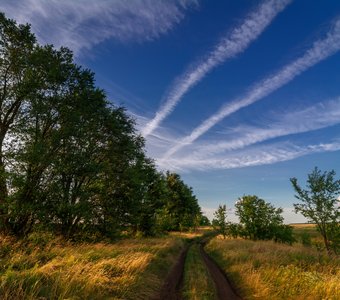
point(128, 269)
point(267, 270)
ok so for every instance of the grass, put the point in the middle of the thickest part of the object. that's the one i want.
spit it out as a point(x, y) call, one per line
point(310, 229)
point(198, 284)
point(56, 269)
point(267, 270)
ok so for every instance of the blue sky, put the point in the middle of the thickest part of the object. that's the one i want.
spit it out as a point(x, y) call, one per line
point(237, 96)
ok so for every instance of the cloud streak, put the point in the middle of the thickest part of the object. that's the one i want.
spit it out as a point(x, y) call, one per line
point(236, 42)
point(320, 50)
point(255, 157)
point(316, 117)
point(82, 24)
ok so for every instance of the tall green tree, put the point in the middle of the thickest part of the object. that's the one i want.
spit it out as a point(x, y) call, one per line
point(69, 160)
point(126, 177)
point(38, 136)
point(16, 46)
point(181, 209)
point(319, 203)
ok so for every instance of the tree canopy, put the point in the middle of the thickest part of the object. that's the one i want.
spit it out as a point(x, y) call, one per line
point(260, 220)
point(319, 203)
point(220, 220)
point(70, 160)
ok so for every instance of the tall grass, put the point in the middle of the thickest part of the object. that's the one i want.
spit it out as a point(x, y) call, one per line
point(128, 269)
point(267, 270)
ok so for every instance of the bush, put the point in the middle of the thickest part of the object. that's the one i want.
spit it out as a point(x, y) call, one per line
point(306, 239)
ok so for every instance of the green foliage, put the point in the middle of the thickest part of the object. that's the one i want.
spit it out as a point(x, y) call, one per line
point(220, 220)
point(306, 239)
point(283, 234)
point(181, 210)
point(70, 161)
point(262, 221)
point(234, 230)
point(204, 221)
point(16, 47)
point(319, 203)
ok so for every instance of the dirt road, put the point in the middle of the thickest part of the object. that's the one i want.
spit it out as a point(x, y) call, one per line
point(173, 285)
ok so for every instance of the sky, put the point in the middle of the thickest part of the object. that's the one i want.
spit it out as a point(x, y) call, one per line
point(237, 96)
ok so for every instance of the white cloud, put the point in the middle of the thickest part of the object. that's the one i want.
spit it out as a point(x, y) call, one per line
point(214, 154)
point(318, 116)
point(321, 50)
point(257, 156)
point(82, 24)
point(236, 42)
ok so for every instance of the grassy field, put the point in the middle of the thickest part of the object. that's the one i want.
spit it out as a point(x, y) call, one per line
point(197, 283)
point(128, 269)
point(267, 270)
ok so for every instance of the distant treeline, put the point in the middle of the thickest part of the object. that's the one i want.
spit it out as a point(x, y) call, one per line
point(71, 161)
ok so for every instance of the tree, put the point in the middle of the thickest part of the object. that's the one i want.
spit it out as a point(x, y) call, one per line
point(38, 135)
point(261, 220)
point(204, 221)
point(181, 210)
point(16, 46)
point(70, 161)
point(221, 219)
point(320, 205)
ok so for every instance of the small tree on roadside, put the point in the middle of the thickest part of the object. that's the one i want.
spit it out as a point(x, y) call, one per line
point(320, 205)
point(261, 220)
point(220, 220)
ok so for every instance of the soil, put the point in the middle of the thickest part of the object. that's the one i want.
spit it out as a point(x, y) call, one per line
point(223, 287)
point(172, 287)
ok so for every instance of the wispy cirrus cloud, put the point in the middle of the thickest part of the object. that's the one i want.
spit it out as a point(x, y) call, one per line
point(228, 47)
point(263, 155)
point(82, 24)
point(312, 118)
point(239, 150)
point(320, 50)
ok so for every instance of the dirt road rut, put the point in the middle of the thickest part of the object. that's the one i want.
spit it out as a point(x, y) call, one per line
point(172, 288)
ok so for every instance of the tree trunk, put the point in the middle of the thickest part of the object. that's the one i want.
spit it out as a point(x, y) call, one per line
point(3, 196)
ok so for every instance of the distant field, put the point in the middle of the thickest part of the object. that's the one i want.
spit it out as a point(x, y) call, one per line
point(128, 269)
point(267, 270)
point(302, 225)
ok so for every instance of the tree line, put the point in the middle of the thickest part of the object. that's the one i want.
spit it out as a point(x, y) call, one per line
point(70, 160)
point(260, 220)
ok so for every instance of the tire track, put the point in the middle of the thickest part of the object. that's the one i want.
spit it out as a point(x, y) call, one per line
point(224, 289)
point(172, 288)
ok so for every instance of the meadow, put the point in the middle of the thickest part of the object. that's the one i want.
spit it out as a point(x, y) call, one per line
point(268, 270)
point(44, 267)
